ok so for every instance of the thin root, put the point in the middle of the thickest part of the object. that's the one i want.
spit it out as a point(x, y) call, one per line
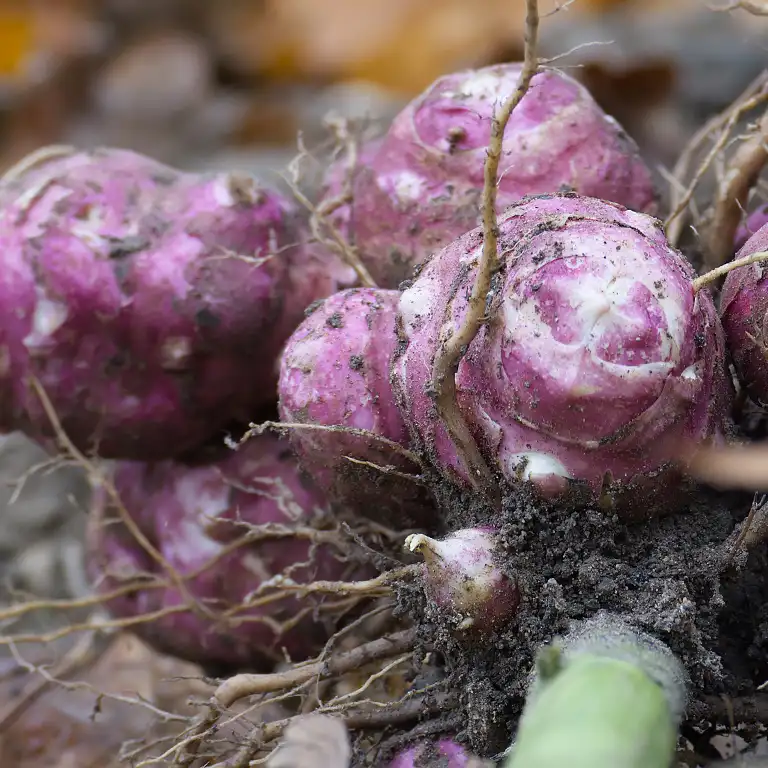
point(361, 718)
point(241, 686)
point(321, 223)
point(721, 271)
point(99, 478)
point(244, 685)
point(448, 357)
point(722, 125)
point(277, 426)
point(752, 532)
point(724, 217)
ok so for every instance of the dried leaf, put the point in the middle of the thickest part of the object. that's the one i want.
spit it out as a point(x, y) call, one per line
point(398, 44)
point(74, 726)
point(314, 741)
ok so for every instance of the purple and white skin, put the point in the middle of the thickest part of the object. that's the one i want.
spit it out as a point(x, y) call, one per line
point(420, 186)
point(334, 372)
point(228, 528)
point(744, 312)
point(462, 577)
point(151, 304)
point(446, 751)
point(597, 359)
point(754, 222)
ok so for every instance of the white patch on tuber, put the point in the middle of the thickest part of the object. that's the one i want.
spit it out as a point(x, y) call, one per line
point(479, 84)
point(530, 466)
point(692, 372)
point(600, 295)
point(175, 353)
point(87, 229)
point(418, 301)
point(190, 543)
point(548, 473)
point(48, 317)
point(210, 500)
point(34, 212)
point(407, 185)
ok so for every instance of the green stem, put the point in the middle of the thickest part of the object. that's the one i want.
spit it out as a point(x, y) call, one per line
point(612, 698)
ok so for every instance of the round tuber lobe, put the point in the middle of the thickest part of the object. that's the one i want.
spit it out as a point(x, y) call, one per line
point(334, 372)
point(445, 753)
point(150, 304)
point(463, 578)
point(754, 221)
point(226, 528)
point(420, 186)
point(744, 312)
point(597, 357)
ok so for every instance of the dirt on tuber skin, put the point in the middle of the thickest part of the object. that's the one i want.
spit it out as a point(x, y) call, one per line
point(420, 186)
point(348, 433)
point(565, 257)
point(665, 576)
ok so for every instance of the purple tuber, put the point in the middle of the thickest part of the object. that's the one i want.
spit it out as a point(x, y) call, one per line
point(463, 577)
point(445, 753)
point(420, 187)
point(227, 528)
point(150, 304)
point(597, 357)
point(335, 373)
point(744, 312)
point(754, 221)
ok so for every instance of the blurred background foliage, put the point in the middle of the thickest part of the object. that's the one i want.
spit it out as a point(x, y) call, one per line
point(202, 83)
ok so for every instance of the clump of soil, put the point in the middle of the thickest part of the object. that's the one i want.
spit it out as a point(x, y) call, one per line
point(666, 576)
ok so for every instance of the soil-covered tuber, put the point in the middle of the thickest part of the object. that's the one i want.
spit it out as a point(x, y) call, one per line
point(445, 752)
point(420, 187)
point(464, 578)
point(225, 528)
point(744, 312)
point(335, 373)
point(150, 304)
point(596, 357)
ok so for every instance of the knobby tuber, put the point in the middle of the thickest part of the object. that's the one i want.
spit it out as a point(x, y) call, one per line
point(420, 186)
point(463, 576)
point(335, 373)
point(597, 353)
point(744, 312)
point(754, 221)
point(226, 528)
point(150, 304)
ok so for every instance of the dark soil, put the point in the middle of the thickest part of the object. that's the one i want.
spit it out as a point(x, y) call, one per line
point(666, 576)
